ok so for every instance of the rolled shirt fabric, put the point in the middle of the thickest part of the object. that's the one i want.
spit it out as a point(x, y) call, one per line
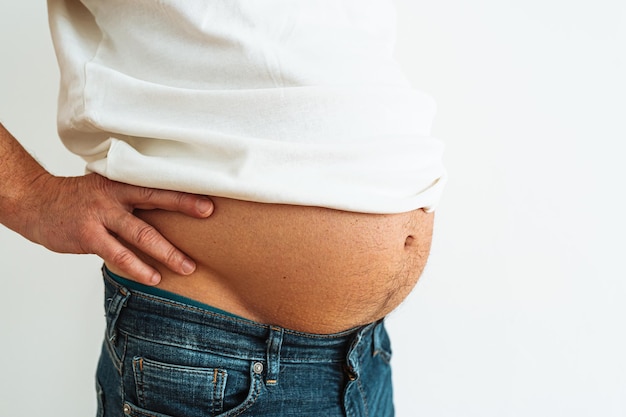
point(277, 101)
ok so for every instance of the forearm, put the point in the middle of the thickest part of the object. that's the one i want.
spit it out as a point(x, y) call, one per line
point(19, 171)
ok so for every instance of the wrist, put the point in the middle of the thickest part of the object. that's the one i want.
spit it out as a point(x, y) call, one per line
point(19, 173)
point(21, 206)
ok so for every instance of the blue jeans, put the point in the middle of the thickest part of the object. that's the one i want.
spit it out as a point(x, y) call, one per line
point(164, 358)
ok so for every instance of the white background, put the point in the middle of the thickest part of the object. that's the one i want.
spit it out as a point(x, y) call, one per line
point(521, 309)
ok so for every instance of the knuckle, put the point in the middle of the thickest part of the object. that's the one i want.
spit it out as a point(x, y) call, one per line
point(147, 194)
point(145, 235)
point(175, 199)
point(87, 237)
point(182, 198)
point(103, 184)
point(172, 256)
point(123, 257)
point(84, 236)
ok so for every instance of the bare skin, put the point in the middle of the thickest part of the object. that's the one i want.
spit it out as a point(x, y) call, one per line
point(310, 269)
point(91, 214)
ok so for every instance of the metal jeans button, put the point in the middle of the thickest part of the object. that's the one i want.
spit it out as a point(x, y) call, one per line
point(257, 368)
point(127, 409)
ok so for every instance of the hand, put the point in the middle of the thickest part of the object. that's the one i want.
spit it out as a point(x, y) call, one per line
point(86, 215)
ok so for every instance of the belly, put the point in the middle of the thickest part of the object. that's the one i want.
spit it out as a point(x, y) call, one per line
point(309, 269)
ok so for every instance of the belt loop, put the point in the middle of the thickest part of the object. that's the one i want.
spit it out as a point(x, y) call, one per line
point(362, 341)
point(351, 366)
point(115, 305)
point(274, 344)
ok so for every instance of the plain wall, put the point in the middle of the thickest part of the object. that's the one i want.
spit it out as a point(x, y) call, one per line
point(520, 310)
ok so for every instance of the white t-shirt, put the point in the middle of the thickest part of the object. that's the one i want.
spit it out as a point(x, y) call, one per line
point(279, 101)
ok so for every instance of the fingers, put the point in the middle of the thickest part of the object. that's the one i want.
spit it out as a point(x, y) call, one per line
point(149, 198)
point(117, 255)
point(145, 237)
point(107, 227)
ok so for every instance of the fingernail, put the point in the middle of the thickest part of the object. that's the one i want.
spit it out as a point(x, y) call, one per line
point(204, 205)
point(155, 279)
point(188, 266)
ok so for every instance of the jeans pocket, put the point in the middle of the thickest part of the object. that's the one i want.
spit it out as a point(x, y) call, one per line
point(165, 389)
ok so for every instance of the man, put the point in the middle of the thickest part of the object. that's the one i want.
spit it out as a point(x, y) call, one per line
point(322, 176)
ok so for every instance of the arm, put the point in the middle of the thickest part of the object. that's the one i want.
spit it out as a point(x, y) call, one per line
point(85, 214)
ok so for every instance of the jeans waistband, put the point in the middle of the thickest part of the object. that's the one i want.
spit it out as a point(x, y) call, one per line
point(166, 321)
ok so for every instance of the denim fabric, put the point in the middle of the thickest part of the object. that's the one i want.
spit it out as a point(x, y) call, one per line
point(164, 358)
